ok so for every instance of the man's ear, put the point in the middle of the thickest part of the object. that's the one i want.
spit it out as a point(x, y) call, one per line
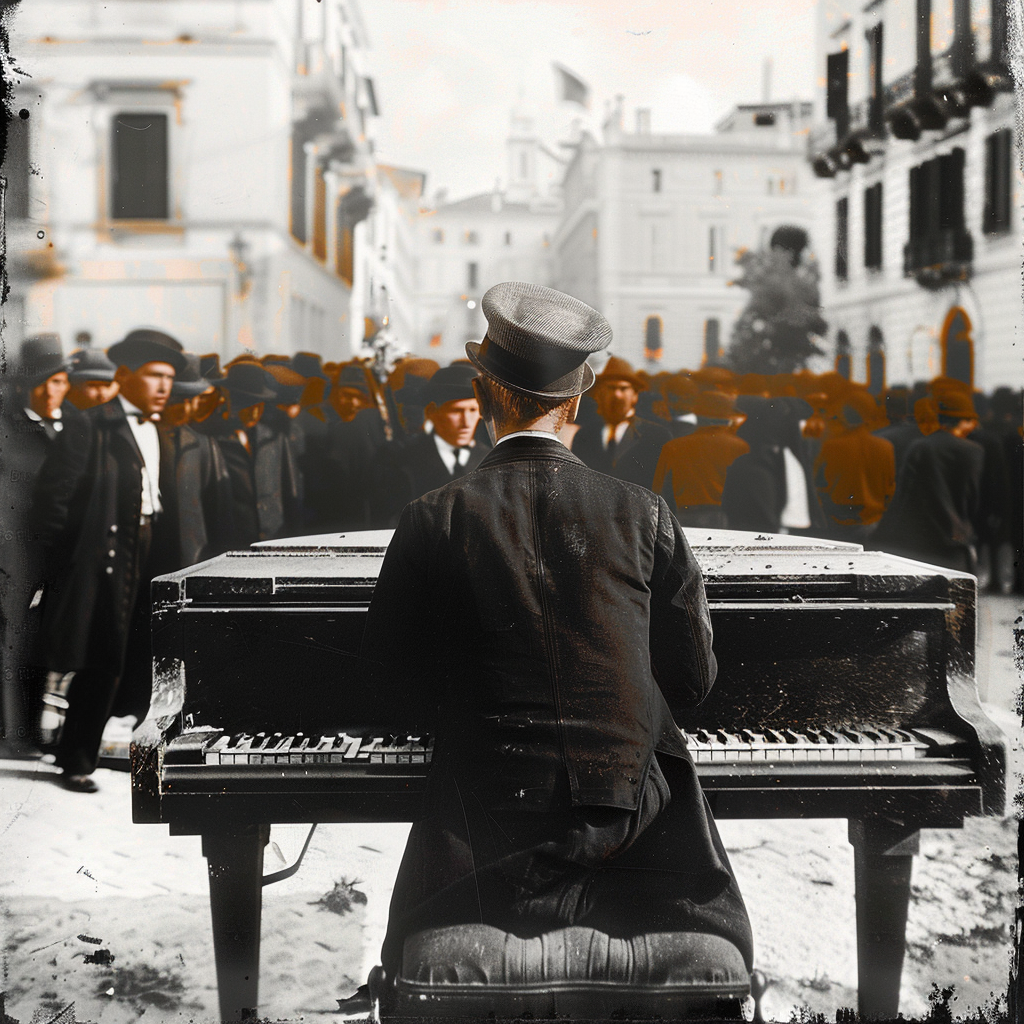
point(429, 410)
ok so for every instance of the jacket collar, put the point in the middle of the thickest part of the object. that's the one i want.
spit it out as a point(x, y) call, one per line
point(521, 449)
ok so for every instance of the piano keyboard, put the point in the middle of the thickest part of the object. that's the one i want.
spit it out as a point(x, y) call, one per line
point(865, 743)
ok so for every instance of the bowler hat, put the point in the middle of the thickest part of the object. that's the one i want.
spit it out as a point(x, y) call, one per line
point(90, 364)
point(450, 384)
point(246, 383)
point(146, 345)
point(538, 340)
point(954, 403)
point(619, 369)
point(189, 382)
point(352, 375)
point(40, 358)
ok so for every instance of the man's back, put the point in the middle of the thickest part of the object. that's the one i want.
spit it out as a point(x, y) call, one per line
point(536, 596)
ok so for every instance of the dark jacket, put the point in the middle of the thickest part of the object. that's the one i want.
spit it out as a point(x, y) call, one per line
point(633, 458)
point(556, 615)
point(204, 495)
point(87, 508)
point(413, 468)
point(931, 518)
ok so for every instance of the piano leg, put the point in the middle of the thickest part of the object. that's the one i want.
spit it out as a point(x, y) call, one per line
point(235, 863)
point(883, 854)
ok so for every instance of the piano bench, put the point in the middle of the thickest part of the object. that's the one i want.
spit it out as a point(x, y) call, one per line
point(480, 971)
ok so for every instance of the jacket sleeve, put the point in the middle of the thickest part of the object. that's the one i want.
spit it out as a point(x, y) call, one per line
point(680, 641)
point(400, 637)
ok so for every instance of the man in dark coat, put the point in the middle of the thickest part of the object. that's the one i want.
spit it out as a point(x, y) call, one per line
point(543, 619)
point(427, 461)
point(626, 445)
point(936, 504)
point(105, 508)
point(33, 415)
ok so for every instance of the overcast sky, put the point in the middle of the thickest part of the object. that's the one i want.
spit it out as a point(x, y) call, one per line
point(449, 72)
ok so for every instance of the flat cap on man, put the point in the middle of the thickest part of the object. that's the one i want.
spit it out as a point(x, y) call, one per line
point(449, 384)
point(538, 340)
point(147, 345)
point(91, 364)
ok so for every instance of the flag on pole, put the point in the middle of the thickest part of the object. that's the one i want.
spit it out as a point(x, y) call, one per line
point(570, 87)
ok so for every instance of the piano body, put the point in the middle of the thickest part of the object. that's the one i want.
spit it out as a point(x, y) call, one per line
point(845, 689)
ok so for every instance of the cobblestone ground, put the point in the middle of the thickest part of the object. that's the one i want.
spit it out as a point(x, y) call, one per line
point(114, 916)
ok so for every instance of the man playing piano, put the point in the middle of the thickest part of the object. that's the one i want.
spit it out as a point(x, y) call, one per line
point(543, 620)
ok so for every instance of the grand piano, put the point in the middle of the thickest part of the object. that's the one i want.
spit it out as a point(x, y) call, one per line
point(845, 689)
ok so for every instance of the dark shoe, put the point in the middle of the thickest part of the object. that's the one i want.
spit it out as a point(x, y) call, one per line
point(79, 783)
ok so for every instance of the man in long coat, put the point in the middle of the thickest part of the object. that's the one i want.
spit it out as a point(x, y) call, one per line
point(543, 619)
point(106, 513)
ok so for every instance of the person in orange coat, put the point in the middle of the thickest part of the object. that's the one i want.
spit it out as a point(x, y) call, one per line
point(855, 471)
point(691, 469)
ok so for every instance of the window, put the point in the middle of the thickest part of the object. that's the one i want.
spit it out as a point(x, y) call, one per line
point(876, 361)
point(873, 227)
point(16, 169)
point(471, 275)
point(836, 101)
point(998, 171)
point(655, 180)
point(843, 354)
point(508, 237)
point(765, 119)
point(938, 235)
point(958, 346)
point(876, 95)
point(139, 167)
point(712, 341)
point(842, 238)
point(437, 236)
point(652, 337)
point(320, 216)
point(344, 244)
point(298, 188)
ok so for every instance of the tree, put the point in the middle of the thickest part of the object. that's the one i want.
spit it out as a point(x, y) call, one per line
point(775, 332)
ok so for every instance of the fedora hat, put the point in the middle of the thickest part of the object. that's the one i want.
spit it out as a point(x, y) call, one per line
point(209, 367)
point(450, 384)
point(538, 340)
point(352, 375)
point(288, 384)
point(714, 405)
point(246, 383)
point(90, 364)
point(189, 382)
point(954, 403)
point(40, 358)
point(619, 369)
point(146, 345)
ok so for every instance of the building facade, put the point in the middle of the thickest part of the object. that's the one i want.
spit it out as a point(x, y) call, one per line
point(917, 155)
point(467, 245)
point(200, 167)
point(653, 223)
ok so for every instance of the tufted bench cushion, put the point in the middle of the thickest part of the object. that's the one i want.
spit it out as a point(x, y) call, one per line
point(479, 970)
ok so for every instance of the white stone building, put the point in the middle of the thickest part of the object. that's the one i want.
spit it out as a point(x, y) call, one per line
point(920, 192)
point(199, 166)
point(652, 225)
point(467, 245)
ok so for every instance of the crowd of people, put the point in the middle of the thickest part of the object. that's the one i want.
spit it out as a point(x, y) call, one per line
point(140, 460)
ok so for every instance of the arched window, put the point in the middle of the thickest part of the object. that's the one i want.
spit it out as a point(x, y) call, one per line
point(876, 361)
point(652, 337)
point(712, 342)
point(958, 346)
point(843, 353)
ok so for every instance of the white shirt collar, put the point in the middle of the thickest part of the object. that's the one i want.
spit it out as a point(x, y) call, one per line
point(33, 415)
point(530, 433)
point(450, 454)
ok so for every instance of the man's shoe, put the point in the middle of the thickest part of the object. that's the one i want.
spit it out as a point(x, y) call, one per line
point(79, 783)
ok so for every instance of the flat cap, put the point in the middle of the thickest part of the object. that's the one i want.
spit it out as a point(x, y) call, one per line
point(538, 340)
point(146, 345)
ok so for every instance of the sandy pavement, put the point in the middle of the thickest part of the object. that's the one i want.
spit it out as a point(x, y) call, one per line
point(114, 916)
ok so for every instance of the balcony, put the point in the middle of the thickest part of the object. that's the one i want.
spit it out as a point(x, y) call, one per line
point(937, 259)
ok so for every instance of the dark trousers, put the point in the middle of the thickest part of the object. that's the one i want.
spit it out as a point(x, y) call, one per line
point(659, 868)
point(96, 694)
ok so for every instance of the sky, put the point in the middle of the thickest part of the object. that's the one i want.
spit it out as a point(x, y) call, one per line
point(448, 73)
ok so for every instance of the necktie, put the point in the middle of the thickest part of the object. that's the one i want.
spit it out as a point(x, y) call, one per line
point(459, 469)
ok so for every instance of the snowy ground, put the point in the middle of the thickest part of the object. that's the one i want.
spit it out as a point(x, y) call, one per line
point(75, 870)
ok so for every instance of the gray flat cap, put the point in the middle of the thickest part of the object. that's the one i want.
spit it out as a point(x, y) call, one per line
point(538, 340)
